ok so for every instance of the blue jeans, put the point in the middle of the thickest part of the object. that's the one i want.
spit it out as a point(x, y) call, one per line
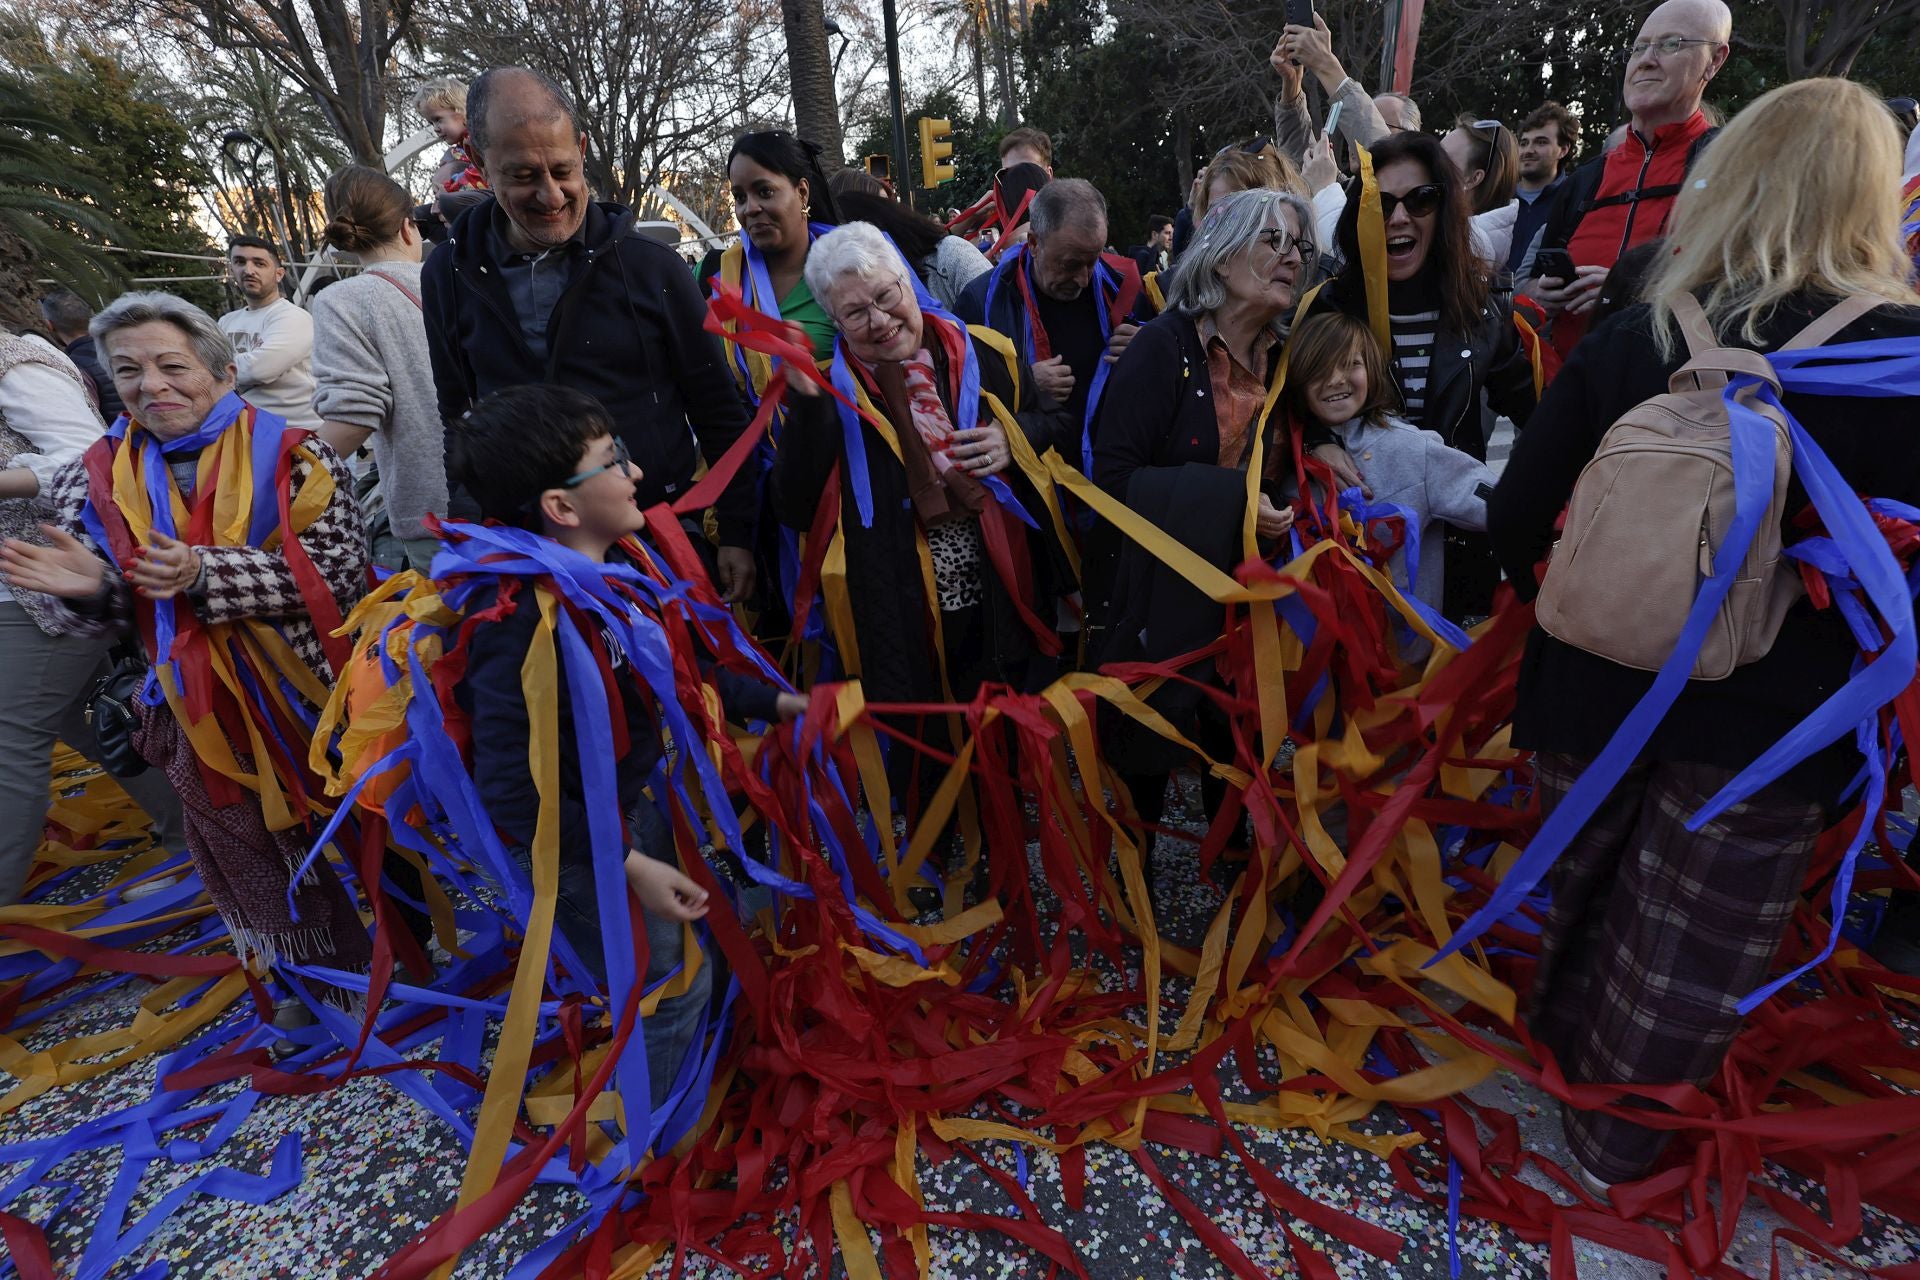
point(669, 1032)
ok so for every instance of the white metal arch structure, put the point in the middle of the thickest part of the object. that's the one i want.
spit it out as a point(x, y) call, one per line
point(688, 216)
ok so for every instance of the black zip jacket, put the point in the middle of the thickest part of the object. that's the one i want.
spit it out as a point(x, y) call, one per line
point(1570, 700)
point(628, 331)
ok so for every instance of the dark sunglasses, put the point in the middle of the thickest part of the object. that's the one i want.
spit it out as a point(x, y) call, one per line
point(1421, 201)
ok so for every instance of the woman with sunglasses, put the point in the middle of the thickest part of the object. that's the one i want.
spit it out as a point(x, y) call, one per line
point(1455, 350)
point(1185, 417)
point(1488, 158)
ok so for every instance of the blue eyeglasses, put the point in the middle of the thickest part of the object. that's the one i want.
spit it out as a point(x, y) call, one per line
point(620, 459)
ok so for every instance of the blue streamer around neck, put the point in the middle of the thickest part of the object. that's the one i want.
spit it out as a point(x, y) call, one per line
point(1883, 368)
point(158, 478)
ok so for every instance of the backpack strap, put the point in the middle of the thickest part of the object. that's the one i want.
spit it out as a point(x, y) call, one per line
point(1693, 324)
point(1832, 321)
point(1710, 363)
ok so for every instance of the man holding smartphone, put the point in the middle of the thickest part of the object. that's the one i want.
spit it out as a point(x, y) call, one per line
point(1623, 199)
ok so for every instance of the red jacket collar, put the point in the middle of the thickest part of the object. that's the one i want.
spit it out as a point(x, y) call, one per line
point(1680, 134)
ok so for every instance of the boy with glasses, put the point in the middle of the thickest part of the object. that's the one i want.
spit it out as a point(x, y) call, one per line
point(546, 460)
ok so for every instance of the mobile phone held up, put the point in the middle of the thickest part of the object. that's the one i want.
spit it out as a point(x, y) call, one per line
point(1300, 13)
point(1554, 264)
point(1333, 118)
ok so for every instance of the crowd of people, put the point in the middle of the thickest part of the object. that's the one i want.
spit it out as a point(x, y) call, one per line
point(1330, 314)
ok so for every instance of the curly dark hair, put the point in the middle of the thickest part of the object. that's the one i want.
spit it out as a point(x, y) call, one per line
point(519, 442)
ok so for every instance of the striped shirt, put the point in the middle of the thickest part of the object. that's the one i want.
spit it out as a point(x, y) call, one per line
point(1413, 339)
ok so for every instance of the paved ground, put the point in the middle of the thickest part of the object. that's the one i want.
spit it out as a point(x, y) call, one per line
point(377, 1168)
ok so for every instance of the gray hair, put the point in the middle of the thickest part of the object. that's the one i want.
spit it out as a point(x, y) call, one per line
point(1066, 200)
point(1412, 113)
point(853, 249)
point(66, 311)
point(1232, 223)
point(557, 105)
point(131, 310)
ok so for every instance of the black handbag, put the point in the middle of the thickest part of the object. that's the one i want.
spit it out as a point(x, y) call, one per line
point(111, 712)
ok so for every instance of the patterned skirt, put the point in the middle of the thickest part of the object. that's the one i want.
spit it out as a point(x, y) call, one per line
point(248, 869)
point(1655, 935)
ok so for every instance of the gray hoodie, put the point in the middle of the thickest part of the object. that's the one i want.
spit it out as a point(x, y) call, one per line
point(371, 369)
point(1416, 469)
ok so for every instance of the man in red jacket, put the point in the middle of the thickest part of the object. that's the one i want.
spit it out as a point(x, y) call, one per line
point(1623, 198)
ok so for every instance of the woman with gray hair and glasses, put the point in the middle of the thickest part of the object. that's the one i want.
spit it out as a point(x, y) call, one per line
point(938, 500)
point(1188, 410)
point(935, 482)
point(228, 543)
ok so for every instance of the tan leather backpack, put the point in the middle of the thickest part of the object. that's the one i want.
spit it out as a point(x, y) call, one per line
point(1652, 507)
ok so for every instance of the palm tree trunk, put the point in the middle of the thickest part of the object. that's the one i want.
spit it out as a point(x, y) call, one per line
point(1009, 106)
point(976, 22)
point(816, 109)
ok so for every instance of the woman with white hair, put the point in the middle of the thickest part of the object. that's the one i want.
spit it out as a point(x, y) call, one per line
point(949, 544)
point(1187, 411)
point(229, 544)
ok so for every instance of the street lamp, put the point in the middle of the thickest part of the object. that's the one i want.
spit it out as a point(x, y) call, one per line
point(832, 29)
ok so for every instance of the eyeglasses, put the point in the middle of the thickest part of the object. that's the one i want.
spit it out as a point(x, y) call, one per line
point(1494, 125)
point(620, 459)
point(859, 318)
point(1278, 241)
point(1421, 202)
point(1666, 47)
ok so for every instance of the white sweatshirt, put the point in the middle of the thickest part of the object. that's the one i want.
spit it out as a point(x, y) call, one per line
point(274, 350)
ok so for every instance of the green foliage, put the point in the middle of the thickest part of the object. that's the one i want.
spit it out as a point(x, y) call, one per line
point(139, 155)
point(47, 197)
point(125, 164)
point(1088, 81)
point(975, 141)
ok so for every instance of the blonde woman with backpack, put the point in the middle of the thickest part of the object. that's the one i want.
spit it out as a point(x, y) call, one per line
point(1656, 933)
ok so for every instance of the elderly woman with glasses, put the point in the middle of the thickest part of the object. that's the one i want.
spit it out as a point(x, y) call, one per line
point(1188, 411)
point(229, 544)
point(951, 549)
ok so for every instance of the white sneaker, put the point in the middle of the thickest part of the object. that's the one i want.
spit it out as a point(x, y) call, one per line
point(1600, 1190)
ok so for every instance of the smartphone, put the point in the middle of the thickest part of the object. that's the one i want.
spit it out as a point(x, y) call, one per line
point(1333, 117)
point(1300, 13)
point(1555, 264)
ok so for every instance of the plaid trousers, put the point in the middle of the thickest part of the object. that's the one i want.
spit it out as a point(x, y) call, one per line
point(1656, 933)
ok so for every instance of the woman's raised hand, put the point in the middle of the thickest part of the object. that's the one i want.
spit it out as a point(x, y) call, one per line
point(65, 568)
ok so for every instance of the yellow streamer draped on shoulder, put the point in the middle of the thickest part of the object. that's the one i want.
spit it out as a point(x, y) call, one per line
point(1373, 251)
point(733, 270)
point(1150, 285)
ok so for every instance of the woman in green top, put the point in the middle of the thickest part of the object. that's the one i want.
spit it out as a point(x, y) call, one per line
point(783, 204)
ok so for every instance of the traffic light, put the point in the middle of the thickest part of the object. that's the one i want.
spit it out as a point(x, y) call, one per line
point(936, 145)
point(880, 166)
